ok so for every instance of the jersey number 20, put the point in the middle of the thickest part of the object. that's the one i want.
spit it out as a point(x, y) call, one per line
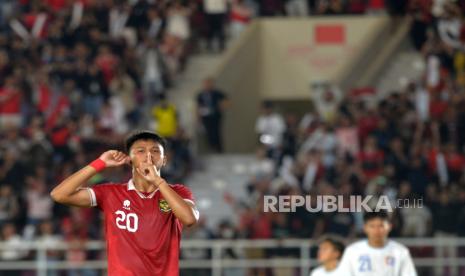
point(128, 222)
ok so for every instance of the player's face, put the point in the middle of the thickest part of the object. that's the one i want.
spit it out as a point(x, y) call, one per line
point(145, 152)
point(377, 230)
point(326, 252)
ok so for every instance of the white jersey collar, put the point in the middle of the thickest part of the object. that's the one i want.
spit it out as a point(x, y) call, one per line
point(131, 187)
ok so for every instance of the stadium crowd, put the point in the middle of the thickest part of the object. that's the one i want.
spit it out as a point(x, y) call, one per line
point(406, 144)
point(76, 76)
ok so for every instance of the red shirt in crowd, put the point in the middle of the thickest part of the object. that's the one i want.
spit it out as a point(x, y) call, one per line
point(10, 101)
point(371, 162)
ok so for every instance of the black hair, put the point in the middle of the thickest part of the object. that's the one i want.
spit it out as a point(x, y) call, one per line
point(143, 135)
point(336, 244)
point(382, 214)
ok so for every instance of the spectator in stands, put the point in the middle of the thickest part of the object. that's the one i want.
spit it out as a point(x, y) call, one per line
point(211, 104)
point(178, 21)
point(14, 250)
point(10, 103)
point(296, 8)
point(152, 62)
point(166, 118)
point(371, 159)
point(9, 205)
point(11, 169)
point(326, 100)
point(94, 87)
point(215, 11)
point(122, 89)
point(39, 203)
point(270, 127)
point(347, 137)
point(240, 16)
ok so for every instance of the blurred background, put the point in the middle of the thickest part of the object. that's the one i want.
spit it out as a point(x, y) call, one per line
point(256, 97)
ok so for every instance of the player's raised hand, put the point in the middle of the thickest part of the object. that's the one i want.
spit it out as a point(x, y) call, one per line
point(114, 158)
point(150, 173)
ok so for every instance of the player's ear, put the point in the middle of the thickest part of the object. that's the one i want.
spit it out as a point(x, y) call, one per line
point(164, 161)
point(389, 226)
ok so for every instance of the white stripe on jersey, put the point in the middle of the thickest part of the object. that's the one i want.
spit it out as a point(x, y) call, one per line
point(93, 198)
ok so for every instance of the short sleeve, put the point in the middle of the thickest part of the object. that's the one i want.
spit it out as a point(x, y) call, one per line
point(183, 192)
point(98, 194)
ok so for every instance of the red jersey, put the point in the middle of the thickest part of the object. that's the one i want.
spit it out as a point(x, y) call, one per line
point(12, 105)
point(142, 233)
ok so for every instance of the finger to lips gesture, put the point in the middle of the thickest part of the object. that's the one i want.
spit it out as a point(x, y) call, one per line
point(150, 173)
point(114, 158)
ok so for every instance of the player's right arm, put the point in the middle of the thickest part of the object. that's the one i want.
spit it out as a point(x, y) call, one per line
point(71, 190)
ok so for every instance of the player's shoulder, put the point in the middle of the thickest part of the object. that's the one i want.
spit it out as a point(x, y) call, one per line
point(357, 245)
point(110, 185)
point(319, 271)
point(398, 246)
point(183, 191)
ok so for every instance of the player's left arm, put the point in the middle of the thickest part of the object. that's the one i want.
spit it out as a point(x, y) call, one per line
point(183, 209)
point(407, 268)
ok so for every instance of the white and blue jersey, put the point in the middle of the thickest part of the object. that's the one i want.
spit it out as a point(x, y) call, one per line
point(360, 259)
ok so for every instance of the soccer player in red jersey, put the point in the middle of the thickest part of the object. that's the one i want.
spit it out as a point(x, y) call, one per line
point(143, 217)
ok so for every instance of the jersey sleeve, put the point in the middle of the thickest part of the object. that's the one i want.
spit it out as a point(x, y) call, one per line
point(184, 192)
point(98, 195)
point(407, 268)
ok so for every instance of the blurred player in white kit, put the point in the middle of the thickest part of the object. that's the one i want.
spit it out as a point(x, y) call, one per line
point(329, 253)
point(377, 255)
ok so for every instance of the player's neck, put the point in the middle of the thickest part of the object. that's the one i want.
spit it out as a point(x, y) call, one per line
point(142, 185)
point(330, 265)
point(376, 243)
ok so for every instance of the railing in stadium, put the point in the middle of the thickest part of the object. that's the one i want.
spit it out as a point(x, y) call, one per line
point(217, 264)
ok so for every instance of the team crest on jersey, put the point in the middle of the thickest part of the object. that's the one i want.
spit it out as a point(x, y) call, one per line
point(389, 260)
point(164, 207)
